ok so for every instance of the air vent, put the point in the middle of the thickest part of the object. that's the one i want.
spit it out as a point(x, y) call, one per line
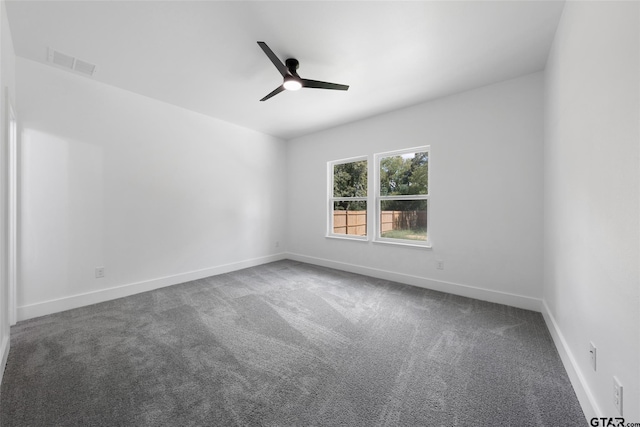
point(62, 60)
point(70, 63)
point(84, 67)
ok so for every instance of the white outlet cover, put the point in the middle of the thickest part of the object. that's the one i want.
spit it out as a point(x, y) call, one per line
point(617, 395)
point(593, 354)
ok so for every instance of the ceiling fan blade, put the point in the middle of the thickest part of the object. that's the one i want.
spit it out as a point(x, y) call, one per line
point(272, 56)
point(323, 85)
point(273, 93)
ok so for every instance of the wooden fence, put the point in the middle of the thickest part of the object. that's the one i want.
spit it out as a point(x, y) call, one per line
point(402, 220)
point(350, 222)
point(355, 222)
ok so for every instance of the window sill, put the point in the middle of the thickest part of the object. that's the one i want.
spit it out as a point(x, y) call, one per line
point(409, 245)
point(382, 242)
point(344, 237)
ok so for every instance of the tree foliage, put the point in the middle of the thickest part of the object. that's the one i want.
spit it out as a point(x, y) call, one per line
point(404, 176)
point(400, 176)
point(350, 180)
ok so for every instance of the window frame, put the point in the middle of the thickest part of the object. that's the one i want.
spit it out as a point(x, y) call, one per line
point(331, 199)
point(377, 235)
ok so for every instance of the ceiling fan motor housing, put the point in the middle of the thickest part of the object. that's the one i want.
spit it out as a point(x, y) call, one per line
point(292, 65)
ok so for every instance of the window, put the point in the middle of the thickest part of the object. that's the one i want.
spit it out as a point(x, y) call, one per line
point(402, 196)
point(397, 207)
point(348, 198)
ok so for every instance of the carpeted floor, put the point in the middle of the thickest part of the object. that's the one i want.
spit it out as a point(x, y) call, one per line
point(287, 344)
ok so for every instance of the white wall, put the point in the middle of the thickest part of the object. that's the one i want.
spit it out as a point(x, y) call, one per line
point(485, 185)
point(154, 193)
point(591, 274)
point(7, 86)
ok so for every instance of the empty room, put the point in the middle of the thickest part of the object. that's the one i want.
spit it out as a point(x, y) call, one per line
point(319, 213)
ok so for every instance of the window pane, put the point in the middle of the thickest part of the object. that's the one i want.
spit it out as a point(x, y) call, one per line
point(350, 179)
point(404, 174)
point(350, 218)
point(403, 219)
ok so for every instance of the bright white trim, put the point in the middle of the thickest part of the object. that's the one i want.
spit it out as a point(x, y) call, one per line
point(4, 354)
point(331, 199)
point(349, 160)
point(12, 209)
point(578, 381)
point(402, 151)
point(399, 242)
point(88, 298)
point(405, 197)
point(514, 300)
point(376, 211)
point(348, 237)
point(348, 199)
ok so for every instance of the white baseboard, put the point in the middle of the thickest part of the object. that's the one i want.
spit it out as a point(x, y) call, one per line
point(4, 353)
point(102, 295)
point(583, 392)
point(498, 297)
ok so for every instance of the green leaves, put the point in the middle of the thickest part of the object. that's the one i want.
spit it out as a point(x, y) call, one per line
point(400, 175)
point(350, 179)
point(404, 175)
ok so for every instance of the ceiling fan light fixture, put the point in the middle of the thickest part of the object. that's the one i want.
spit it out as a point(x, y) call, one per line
point(292, 80)
point(291, 83)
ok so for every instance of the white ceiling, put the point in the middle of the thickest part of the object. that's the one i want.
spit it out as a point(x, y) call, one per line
point(203, 56)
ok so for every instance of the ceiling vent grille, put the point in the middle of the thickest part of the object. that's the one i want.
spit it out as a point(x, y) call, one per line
point(84, 67)
point(70, 63)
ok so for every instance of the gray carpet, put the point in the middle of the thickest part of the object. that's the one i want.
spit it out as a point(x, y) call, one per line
point(287, 344)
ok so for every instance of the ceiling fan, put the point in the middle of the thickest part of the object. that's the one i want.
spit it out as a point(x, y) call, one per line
point(292, 81)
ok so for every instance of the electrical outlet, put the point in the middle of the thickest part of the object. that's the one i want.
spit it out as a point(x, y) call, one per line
point(277, 244)
point(617, 395)
point(440, 264)
point(592, 352)
point(99, 272)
